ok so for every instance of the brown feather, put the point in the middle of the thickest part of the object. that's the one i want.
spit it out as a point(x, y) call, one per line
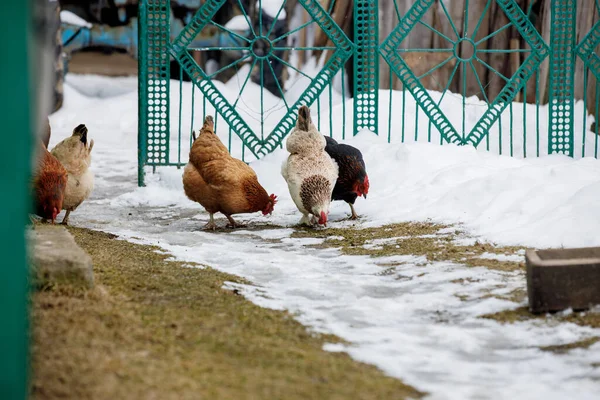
point(48, 183)
point(219, 182)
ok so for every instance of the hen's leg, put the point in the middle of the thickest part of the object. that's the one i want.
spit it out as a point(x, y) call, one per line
point(65, 220)
point(232, 224)
point(354, 215)
point(211, 223)
point(305, 220)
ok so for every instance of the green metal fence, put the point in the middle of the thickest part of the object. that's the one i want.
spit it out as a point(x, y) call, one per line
point(465, 86)
point(17, 116)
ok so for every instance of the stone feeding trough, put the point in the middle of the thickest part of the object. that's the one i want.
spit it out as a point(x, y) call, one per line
point(559, 279)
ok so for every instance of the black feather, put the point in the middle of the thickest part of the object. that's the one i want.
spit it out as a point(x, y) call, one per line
point(352, 169)
point(81, 131)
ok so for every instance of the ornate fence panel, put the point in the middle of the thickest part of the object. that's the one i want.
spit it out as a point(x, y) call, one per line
point(506, 76)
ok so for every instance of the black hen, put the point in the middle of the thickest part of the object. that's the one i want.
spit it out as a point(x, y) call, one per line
point(352, 178)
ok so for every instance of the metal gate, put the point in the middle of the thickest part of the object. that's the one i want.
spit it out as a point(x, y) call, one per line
point(525, 98)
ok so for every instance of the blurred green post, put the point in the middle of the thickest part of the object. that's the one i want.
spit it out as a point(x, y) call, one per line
point(16, 116)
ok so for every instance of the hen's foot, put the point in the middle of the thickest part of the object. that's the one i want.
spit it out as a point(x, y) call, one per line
point(232, 224)
point(65, 220)
point(211, 226)
point(354, 215)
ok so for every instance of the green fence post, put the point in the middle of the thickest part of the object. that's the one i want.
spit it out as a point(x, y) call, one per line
point(366, 65)
point(15, 113)
point(153, 84)
point(562, 77)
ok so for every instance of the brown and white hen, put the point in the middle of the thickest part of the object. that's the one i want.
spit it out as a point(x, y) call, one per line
point(309, 171)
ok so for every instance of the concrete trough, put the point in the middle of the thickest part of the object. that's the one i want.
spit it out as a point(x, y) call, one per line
point(558, 279)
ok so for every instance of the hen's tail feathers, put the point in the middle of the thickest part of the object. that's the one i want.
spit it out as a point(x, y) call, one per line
point(194, 135)
point(209, 123)
point(303, 118)
point(81, 131)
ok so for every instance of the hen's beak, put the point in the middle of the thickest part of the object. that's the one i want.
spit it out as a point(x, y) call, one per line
point(364, 195)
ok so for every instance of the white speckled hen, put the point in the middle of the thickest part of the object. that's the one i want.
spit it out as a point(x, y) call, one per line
point(75, 154)
point(309, 171)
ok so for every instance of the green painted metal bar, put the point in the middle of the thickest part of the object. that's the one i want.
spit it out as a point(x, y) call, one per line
point(284, 48)
point(330, 111)
point(466, 20)
point(504, 51)
point(343, 102)
point(440, 34)
point(245, 14)
point(403, 110)
point(492, 69)
point(525, 121)
point(448, 83)
point(520, 77)
point(319, 113)
point(154, 84)
point(597, 122)
point(260, 18)
point(416, 122)
point(491, 35)
point(397, 10)
point(366, 65)
point(562, 77)
point(584, 127)
point(287, 64)
point(221, 27)
point(262, 101)
point(510, 130)
point(192, 117)
point(409, 80)
point(180, 116)
point(478, 81)
point(445, 10)
point(143, 72)
point(435, 68)
point(233, 64)
point(464, 100)
point(500, 134)
point(245, 82)
point(276, 19)
point(298, 29)
point(279, 88)
point(416, 50)
point(537, 112)
point(480, 21)
point(18, 71)
point(219, 48)
point(391, 83)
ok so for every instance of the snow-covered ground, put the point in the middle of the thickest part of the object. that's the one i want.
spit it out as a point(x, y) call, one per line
point(419, 323)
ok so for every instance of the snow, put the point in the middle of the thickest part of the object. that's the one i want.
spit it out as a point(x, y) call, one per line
point(418, 321)
point(238, 23)
point(68, 17)
point(272, 7)
point(503, 257)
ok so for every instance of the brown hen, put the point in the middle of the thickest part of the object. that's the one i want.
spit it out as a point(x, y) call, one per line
point(48, 184)
point(221, 183)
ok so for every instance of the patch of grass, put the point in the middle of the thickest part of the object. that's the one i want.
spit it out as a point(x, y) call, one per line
point(591, 319)
point(419, 239)
point(153, 328)
point(565, 348)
